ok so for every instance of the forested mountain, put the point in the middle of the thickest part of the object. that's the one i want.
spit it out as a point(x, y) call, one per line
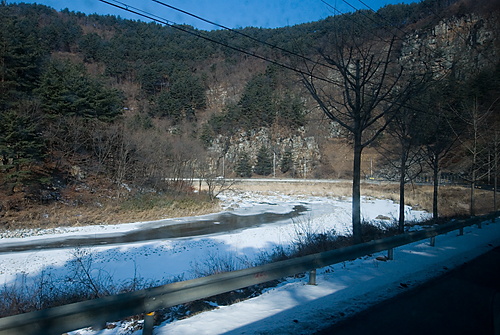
point(98, 100)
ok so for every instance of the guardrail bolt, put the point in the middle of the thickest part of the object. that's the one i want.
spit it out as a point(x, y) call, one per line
point(148, 324)
point(390, 254)
point(312, 277)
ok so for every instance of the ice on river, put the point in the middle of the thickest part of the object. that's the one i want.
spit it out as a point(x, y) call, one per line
point(160, 260)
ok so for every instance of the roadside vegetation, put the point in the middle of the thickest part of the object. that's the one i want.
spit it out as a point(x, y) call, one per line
point(87, 279)
point(96, 128)
point(87, 107)
point(81, 206)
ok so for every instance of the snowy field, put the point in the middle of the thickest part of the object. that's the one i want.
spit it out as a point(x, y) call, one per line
point(291, 308)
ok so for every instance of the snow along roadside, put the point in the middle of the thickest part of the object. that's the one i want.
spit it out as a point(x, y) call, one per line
point(342, 290)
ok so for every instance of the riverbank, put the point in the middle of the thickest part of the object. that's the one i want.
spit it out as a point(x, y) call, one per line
point(77, 209)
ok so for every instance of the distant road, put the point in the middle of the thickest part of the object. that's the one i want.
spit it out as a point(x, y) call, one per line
point(297, 181)
point(289, 180)
point(294, 180)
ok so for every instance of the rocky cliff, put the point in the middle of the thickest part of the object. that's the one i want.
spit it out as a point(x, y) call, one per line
point(463, 44)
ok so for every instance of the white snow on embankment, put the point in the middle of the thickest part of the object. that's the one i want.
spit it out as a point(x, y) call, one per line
point(291, 308)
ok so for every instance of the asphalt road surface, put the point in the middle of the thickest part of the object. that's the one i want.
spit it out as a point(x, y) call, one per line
point(465, 300)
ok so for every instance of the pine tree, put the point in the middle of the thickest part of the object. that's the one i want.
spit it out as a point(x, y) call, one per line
point(264, 165)
point(20, 142)
point(243, 168)
point(286, 161)
point(67, 90)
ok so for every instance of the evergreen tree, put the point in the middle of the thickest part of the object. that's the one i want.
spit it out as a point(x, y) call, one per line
point(264, 165)
point(243, 168)
point(286, 161)
point(291, 112)
point(206, 136)
point(185, 95)
point(258, 104)
point(91, 46)
point(20, 56)
point(67, 90)
point(21, 144)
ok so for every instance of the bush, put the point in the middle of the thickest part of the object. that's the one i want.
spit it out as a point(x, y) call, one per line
point(85, 282)
point(216, 263)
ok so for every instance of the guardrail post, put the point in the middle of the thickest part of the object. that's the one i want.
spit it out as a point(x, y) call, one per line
point(312, 277)
point(433, 241)
point(390, 254)
point(479, 225)
point(148, 324)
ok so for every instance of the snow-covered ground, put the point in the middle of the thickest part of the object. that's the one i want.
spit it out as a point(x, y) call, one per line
point(291, 308)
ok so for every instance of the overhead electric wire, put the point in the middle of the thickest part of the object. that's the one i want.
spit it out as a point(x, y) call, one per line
point(171, 24)
point(433, 12)
point(243, 34)
point(460, 35)
point(431, 51)
point(350, 18)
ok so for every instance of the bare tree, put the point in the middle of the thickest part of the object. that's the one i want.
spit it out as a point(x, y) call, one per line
point(217, 185)
point(123, 157)
point(405, 158)
point(475, 143)
point(104, 138)
point(438, 140)
point(363, 87)
point(67, 138)
point(496, 146)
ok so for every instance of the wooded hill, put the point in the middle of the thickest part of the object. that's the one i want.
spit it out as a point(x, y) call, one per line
point(116, 104)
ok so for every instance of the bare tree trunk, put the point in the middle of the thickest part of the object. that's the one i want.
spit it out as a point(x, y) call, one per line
point(436, 189)
point(362, 94)
point(472, 193)
point(356, 191)
point(401, 225)
point(495, 177)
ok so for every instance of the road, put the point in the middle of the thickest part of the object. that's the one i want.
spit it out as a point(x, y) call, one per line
point(466, 300)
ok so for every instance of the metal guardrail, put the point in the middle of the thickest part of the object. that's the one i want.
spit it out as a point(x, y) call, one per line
point(65, 318)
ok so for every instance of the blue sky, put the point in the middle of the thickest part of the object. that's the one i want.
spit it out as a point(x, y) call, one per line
point(230, 13)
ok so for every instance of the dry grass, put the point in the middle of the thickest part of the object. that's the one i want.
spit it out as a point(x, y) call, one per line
point(87, 209)
point(452, 201)
point(105, 211)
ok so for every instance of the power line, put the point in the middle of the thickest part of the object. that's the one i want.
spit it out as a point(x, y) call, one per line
point(460, 35)
point(433, 12)
point(243, 34)
point(350, 18)
point(433, 52)
point(171, 24)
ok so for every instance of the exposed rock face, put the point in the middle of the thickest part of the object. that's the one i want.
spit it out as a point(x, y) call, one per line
point(304, 149)
point(467, 44)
